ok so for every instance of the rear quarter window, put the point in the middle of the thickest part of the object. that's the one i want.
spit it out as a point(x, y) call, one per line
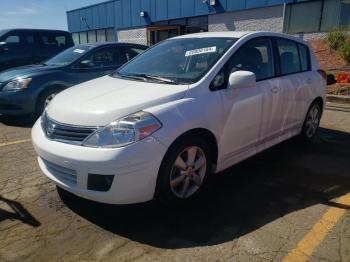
point(304, 57)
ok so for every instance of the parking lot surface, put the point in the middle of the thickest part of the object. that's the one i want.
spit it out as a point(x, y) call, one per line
point(289, 203)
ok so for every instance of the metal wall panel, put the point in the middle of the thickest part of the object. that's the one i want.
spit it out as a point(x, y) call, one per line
point(126, 13)
point(102, 13)
point(135, 13)
point(174, 9)
point(161, 10)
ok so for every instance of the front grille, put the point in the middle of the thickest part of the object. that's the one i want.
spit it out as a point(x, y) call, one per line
point(63, 174)
point(65, 133)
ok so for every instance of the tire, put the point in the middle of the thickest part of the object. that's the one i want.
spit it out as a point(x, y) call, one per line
point(311, 122)
point(44, 99)
point(181, 182)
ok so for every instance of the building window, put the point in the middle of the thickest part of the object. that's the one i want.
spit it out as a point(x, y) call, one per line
point(110, 36)
point(197, 24)
point(83, 37)
point(75, 37)
point(92, 36)
point(162, 30)
point(101, 36)
point(321, 16)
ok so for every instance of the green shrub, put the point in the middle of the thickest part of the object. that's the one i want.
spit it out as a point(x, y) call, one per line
point(331, 78)
point(336, 39)
point(344, 51)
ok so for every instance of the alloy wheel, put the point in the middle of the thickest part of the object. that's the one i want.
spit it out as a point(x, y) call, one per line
point(312, 121)
point(188, 172)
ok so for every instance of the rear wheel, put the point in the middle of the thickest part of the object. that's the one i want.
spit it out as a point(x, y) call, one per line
point(312, 122)
point(184, 171)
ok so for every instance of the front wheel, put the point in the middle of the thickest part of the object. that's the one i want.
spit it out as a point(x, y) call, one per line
point(44, 100)
point(184, 171)
point(312, 122)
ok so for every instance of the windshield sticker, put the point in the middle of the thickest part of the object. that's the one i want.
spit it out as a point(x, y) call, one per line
point(80, 51)
point(201, 51)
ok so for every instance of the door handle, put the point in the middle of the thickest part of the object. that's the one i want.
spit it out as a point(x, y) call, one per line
point(274, 89)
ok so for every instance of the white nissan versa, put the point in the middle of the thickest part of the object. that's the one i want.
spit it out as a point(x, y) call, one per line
point(188, 107)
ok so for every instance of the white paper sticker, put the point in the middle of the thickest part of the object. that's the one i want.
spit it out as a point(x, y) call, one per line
point(80, 51)
point(201, 51)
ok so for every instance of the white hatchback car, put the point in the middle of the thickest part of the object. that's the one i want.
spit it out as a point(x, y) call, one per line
point(188, 107)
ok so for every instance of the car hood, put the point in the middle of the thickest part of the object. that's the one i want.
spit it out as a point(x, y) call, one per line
point(25, 71)
point(103, 100)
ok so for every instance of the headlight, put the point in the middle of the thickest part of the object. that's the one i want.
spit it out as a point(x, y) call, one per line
point(124, 131)
point(18, 84)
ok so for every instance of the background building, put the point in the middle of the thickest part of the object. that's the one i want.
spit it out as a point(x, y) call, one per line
point(150, 21)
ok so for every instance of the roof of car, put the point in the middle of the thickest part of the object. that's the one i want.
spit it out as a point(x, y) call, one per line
point(93, 45)
point(233, 34)
point(30, 29)
point(240, 34)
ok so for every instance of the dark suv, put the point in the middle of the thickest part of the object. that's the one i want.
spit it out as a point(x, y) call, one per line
point(29, 46)
point(28, 89)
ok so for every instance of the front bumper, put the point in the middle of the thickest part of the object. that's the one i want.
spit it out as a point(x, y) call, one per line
point(135, 167)
point(16, 103)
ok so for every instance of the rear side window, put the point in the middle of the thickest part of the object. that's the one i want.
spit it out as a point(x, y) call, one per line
point(29, 39)
point(104, 57)
point(61, 40)
point(131, 52)
point(53, 40)
point(304, 57)
point(289, 56)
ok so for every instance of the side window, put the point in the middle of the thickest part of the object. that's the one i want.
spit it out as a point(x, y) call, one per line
point(48, 40)
point(29, 39)
point(304, 57)
point(255, 56)
point(61, 40)
point(289, 56)
point(131, 52)
point(12, 39)
point(103, 58)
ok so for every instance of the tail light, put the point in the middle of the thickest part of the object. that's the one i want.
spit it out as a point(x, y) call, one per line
point(323, 74)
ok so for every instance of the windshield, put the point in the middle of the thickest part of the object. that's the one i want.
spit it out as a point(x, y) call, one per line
point(2, 32)
point(176, 61)
point(68, 56)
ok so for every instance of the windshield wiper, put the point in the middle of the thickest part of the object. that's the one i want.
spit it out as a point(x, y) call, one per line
point(133, 76)
point(161, 79)
point(145, 77)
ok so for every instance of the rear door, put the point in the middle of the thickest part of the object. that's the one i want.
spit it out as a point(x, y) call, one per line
point(294, 65)
point(49, 44)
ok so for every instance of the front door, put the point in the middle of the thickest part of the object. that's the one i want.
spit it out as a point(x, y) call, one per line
point(250, 113)
point(15, 51)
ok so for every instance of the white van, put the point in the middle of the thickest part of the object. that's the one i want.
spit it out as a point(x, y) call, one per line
point(188, 107)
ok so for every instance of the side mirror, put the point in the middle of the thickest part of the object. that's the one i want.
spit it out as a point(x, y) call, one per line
point(3, 46)
point(242, 79)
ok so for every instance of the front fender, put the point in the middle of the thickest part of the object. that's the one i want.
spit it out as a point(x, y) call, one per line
point(181, 116)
